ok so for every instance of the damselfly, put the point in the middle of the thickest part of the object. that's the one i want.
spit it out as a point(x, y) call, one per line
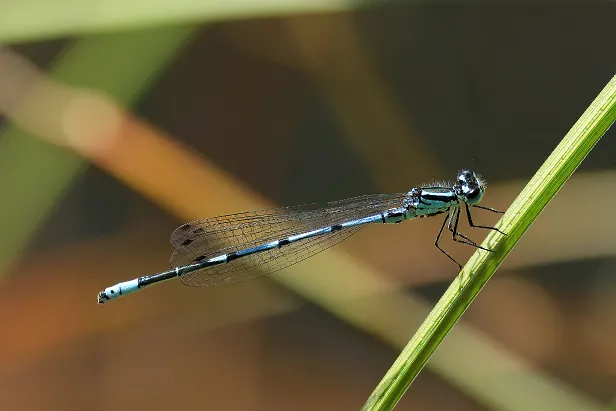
point(239, 247)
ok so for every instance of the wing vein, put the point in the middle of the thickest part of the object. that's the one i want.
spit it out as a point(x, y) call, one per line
point(211, 237)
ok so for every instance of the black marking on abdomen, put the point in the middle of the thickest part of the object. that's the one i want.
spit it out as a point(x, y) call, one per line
point(263, 247)
point(210, 261)
point(252, 250)
point(186, 242)
point(155, 278)
point(232, 256)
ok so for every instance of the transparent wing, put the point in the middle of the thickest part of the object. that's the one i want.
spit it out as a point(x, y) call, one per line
point(211, 237)
point(266, 262)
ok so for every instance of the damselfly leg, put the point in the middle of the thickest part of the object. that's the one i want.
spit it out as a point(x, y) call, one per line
point(452, 221)
point(449, 218)
point(470, 218)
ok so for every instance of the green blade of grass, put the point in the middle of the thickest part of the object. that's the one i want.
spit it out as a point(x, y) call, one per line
point(36, 20)
point(544, 185)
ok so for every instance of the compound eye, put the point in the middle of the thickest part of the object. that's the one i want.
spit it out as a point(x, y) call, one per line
point(465, 177)
point(473, 194)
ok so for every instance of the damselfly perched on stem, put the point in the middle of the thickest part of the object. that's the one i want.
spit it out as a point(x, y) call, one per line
point(239, 247)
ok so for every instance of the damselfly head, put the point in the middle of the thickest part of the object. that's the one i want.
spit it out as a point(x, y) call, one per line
point(470, 187)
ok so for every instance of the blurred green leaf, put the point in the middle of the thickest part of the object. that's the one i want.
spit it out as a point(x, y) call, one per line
point(29, 20)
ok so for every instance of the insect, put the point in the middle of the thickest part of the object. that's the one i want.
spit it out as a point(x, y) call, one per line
point(239, 247)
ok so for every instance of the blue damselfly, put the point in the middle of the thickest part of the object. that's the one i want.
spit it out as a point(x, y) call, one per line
point(239, 247)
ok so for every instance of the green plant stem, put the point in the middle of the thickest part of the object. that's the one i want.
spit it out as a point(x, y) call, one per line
point(544, 185)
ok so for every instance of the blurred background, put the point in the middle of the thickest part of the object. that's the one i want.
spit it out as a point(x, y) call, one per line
point(122, 119)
